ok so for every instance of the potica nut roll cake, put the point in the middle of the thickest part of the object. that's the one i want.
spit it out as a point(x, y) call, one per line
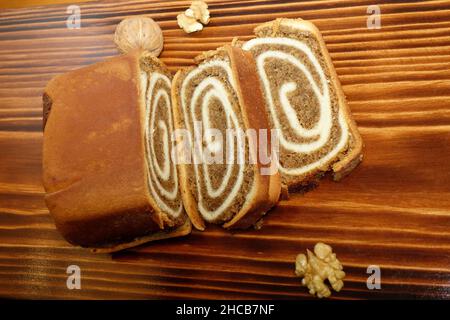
point(109, 180)
point(113, 170)
point(223, 92)
point(305, 102)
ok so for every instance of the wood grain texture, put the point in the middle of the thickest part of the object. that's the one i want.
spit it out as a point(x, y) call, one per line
point(32, 3)
point(392, 211)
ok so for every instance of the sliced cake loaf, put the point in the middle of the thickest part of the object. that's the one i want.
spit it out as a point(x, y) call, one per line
point(109, 179)
point(223, 93)
point(304, 102)
point(156, 84)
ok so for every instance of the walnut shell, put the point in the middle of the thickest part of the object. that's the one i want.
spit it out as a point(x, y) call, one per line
point(139, 33)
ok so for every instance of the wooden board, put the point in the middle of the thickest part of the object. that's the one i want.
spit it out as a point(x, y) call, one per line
point(392, 211)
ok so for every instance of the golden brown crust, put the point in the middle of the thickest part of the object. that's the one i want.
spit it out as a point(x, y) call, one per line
point(251, 100)
point(148, 62)
point(180, 231)
point(83, 223)
point(204, 56)
point(94, 165)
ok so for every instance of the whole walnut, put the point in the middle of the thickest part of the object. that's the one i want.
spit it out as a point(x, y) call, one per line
point(139, 33)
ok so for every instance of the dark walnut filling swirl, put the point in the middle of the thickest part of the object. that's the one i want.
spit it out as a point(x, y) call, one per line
point(219, 173)
point(301, 104)
point(163, 178)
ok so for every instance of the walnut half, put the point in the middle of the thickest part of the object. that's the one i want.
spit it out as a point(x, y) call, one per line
point(319, 266)
point(188, 24)
point(199, 11)
point(189, 20)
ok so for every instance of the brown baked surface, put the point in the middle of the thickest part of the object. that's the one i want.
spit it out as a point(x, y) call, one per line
point(94, 165)
point(179, 231)
point(252, 107)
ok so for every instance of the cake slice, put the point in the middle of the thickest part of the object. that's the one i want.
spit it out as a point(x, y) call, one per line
point(223, 94)
point(109, 178)
point(305, 102)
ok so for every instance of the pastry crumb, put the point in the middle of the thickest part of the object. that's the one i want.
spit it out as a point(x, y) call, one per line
point(259, 224)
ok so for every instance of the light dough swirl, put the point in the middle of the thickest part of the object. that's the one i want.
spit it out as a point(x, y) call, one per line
point(317, 136)
point(163, 178)
point(209, 88)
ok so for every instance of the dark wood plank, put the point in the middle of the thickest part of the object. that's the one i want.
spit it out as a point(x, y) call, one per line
point(392, 211)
